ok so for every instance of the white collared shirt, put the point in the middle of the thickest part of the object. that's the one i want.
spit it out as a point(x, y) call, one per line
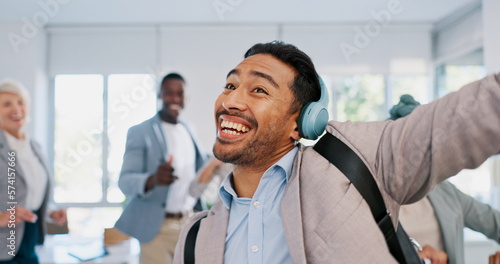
point(420, 222)
point(180, 145)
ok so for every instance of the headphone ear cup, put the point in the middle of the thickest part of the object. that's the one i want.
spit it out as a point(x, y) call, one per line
point(312, 120)
point(314, 115)
point(301, 122)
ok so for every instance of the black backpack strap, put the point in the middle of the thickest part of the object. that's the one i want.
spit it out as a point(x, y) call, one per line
point(190, 245)
point(349, 163)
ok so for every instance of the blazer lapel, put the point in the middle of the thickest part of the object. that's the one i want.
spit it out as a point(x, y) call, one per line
point(448, 226)
point(4, 148)
point(160, 138)
point(291, 214)
point(211, 240)
point(38, 152)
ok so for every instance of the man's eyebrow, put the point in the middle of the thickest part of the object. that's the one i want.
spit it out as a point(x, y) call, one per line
point(258, 74)
point(233, 71)
point(267, 77)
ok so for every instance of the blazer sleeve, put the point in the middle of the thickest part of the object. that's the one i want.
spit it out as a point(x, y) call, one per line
point(478, 216)
point(133, 175)
point(458, 131)
point(411, 155)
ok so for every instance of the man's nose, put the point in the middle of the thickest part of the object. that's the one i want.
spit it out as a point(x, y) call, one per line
point(176, 99)
point(236, 100)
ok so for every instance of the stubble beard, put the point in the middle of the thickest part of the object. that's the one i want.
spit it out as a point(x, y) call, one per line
point(254, 152)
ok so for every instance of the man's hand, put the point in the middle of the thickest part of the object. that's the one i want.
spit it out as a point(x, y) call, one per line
point(163, 176)
point(59, 217)
point(435, 256)
point(495, 258)
point(17, 216)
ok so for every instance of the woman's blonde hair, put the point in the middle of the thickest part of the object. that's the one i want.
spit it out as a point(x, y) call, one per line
point(15, 87)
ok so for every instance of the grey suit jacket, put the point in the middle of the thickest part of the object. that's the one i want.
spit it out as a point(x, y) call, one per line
point(145, 151)
point(19, 196)
point(456, 210)
point(326, 220)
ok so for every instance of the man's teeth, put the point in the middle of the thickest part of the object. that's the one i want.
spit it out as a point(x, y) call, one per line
point(175, 107)
point(231, 132)
point(236, 126)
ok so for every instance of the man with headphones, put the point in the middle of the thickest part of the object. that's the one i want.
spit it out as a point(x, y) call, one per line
point(161, 159)
point(285, 203)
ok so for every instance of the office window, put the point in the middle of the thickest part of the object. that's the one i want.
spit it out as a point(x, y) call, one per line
point(451, 77)
point(360, 98)
point(92, 116)
point(414, 85)
point(78, 138)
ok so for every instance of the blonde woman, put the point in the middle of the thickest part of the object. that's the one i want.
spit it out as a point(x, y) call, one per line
point(25, 182)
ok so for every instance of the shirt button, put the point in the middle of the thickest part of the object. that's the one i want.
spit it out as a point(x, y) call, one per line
point(256, 204)
point(255, 249)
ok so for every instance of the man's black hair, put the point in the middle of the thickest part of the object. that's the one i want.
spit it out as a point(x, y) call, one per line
point(172, 76)
point(305, 87)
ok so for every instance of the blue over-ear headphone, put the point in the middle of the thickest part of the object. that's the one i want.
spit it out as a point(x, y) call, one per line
point(314, 116)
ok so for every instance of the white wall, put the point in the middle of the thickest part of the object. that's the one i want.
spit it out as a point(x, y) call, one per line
point(458, 36)
point(84, 12)
point(23, 58)
point(101, 50)
point(359, 49)
point(491, 22)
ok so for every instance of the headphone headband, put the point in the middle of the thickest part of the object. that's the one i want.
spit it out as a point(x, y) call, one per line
point(324, 92)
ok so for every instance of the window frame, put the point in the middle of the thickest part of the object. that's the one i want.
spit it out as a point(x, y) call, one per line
point(104, 146)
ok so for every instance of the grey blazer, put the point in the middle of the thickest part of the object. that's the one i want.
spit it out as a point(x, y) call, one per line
point(144, 152)
point(324, 217)
point(20, 195)
point(456, 210)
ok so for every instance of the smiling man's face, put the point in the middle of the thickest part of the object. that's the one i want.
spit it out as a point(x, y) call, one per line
point(253, 119)
point(172, 94)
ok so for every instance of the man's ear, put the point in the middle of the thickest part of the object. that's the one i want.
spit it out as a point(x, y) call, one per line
point(295, 132)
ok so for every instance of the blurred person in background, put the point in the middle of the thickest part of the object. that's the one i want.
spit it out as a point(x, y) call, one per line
point(25, 181)
point(162, 157)
point(437, 221)
point(207, 183)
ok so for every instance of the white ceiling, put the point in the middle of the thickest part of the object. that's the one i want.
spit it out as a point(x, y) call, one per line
point(102, 12)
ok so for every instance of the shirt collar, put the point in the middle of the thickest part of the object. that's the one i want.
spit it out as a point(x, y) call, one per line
point(17, 144)
point(286, 162)
point(226, 190)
